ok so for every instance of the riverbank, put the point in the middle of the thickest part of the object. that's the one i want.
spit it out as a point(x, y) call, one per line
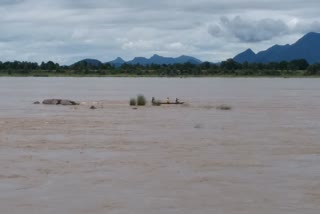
point(157, 76)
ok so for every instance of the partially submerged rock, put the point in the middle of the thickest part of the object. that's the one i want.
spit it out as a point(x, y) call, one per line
point(68, 103)
point(60, 102)
point(50, 102)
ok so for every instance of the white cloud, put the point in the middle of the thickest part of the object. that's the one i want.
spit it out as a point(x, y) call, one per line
point(257, 30)
point(249, 30)
point(68, 30)
point(139, 45)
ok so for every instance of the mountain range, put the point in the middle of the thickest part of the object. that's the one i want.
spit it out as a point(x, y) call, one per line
point(159, 60)
point(308, 48)
point(155, 59)
point(93, 62)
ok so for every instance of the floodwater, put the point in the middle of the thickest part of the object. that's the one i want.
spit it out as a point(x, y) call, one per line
point(262, 156)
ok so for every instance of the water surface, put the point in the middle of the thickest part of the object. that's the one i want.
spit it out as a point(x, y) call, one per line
point(262, 157)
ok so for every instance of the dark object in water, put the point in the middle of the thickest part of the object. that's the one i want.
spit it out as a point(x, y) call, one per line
point(224, 107)
point(36, 103)
point(60, 102)
point(158, 102)
point(171, 103)
point(93, 107)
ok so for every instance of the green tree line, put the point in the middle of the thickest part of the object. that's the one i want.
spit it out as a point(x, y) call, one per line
point(229, 67)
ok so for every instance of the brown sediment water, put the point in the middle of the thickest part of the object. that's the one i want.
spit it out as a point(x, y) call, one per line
point(262, 156)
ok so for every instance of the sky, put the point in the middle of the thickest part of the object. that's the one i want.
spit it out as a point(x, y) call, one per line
point(66, 31)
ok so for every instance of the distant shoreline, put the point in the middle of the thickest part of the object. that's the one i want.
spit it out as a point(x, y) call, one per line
point(229, 68)
point(157, 76)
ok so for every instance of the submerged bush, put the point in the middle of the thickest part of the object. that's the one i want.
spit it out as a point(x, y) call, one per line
point(133, 102)
point(141, 100)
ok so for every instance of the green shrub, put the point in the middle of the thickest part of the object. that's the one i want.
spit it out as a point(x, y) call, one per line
point(141, 100)
point(133, 102)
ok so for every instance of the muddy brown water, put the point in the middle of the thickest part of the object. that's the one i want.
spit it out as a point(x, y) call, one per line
point(263, 156)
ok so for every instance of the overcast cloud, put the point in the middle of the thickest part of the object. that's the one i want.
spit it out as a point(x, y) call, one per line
point(66, 30)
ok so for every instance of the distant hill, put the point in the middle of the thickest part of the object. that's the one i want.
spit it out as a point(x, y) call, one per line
point(117, 62)
point(138, 60)
point(308, 48)
point(247, 55)
point(188, 59)
point(155, 59)
point(92, 62)
point(159, 60)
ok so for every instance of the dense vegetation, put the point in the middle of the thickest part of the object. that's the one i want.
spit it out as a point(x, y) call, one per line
point(225, 68)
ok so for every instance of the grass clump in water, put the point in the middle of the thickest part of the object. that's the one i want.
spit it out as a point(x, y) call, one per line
point(141, 100)
point(133, 102)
